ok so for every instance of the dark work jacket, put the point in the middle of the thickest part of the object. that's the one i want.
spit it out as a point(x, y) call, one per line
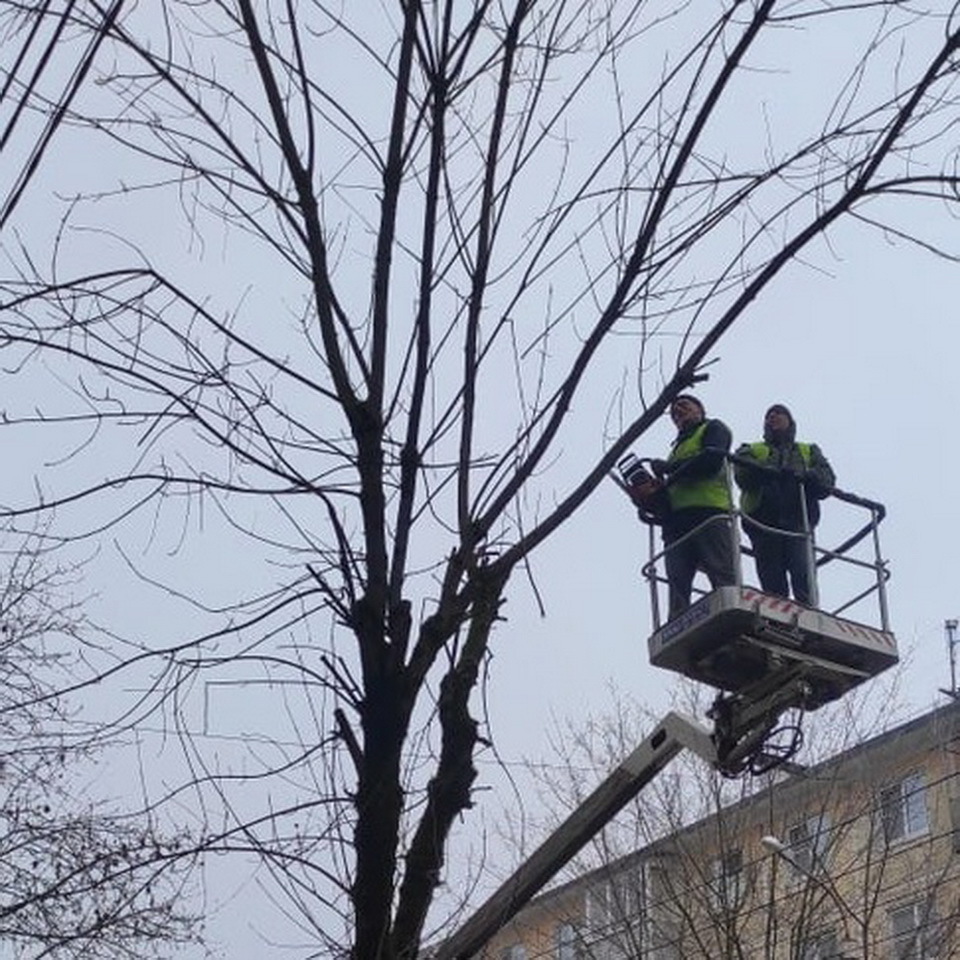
point(715, 443)
point(777, 482)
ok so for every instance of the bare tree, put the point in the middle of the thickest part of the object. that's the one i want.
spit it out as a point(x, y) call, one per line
point(79, 877)
point(359, 276)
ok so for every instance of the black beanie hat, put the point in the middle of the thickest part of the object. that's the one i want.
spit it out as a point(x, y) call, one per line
point(791, 430)
point(692, 399)
point(780, 408)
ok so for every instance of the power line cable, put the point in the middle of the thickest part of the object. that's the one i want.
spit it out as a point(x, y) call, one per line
point(42, 64)
point(29, 168)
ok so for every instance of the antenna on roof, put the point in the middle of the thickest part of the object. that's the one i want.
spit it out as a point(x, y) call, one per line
point(950, 631)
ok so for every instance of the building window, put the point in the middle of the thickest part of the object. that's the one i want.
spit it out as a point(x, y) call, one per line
point(516, 951)
point(565, 937)
point(807, 847)
point(824, 946)
point(614, 915)
point(728, 879)
point(903, 807)
point(616, 900)
point(915, 932)
point(665, 912)
point(599, 922)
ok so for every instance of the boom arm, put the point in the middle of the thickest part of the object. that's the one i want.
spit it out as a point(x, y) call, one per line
point(673, 734)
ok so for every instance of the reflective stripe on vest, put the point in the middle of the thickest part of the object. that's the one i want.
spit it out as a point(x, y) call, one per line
point(707, 492)
point(750, 499)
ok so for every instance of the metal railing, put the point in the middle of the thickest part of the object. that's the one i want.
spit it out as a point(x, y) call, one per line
point(845, 554)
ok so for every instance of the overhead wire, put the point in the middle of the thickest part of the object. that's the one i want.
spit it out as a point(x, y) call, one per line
point(62, 105)
point(43, 62)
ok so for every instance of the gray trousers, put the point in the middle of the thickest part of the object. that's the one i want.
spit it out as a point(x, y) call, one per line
point(709, 549)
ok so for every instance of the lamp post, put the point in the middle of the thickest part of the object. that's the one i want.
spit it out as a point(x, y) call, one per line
point(850, 948)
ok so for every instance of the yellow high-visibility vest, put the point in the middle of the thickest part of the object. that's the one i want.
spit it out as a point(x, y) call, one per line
point(760, 451)
point(705, 492)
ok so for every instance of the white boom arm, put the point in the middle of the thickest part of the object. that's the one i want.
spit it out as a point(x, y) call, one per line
point(673, 734)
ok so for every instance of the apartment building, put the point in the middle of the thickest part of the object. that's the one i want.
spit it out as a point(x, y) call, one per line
point(856, 857)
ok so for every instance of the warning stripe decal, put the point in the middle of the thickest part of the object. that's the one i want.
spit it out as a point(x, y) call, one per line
point(782, 605)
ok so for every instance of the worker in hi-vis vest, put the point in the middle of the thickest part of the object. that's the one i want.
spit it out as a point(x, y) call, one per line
point(782, 482)
point(697, 503)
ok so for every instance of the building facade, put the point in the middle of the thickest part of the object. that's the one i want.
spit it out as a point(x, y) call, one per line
point(856, 857)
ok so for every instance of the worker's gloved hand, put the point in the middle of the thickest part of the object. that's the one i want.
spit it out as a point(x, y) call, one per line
point(659, 467)
point(643, 493)
point(759, 475)
point(751, 474)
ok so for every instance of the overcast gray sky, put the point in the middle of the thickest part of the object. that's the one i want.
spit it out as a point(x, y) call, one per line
point(860, 342)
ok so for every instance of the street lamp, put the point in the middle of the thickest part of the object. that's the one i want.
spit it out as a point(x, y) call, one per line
point(779, 849)
point(775, 845)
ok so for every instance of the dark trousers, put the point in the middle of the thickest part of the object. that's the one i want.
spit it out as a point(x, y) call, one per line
point(710, 550)
point(777, 556)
